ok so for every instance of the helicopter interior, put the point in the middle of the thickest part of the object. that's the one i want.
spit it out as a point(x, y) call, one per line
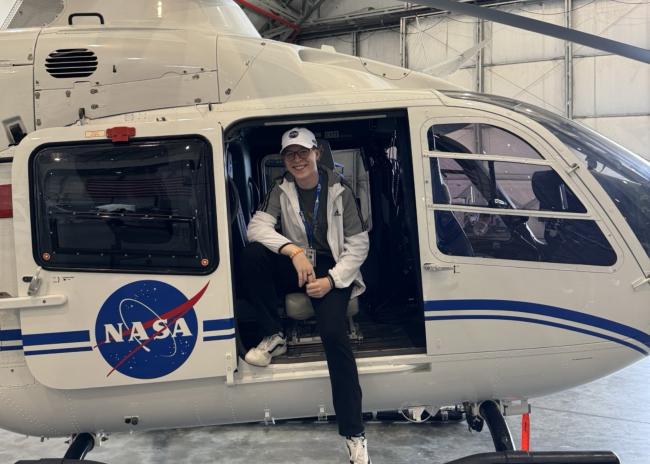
point(372, 153)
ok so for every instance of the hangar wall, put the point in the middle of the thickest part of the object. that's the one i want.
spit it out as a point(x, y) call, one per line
point(606, 92)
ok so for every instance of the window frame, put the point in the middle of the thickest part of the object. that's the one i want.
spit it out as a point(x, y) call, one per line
point(211, 209)
point(547, 159)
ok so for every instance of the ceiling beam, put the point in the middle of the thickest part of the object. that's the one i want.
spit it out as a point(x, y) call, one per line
point(542, 27)
point(268, 14)
point(385, 17)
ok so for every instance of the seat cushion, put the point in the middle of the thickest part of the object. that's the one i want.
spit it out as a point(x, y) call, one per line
point(298, 306)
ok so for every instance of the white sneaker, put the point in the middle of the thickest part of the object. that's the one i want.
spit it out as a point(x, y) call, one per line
point(269, 347)
point(358, 450)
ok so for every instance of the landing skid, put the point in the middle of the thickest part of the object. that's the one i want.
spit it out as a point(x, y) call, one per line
point(489, 412)
point(80, 445)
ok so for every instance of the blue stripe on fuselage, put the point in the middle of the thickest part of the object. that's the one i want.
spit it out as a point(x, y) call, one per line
point(537, 321)
point(55, 338)
point(540, 310)
point(218, 324)
point(10, 335)
point(58, 351)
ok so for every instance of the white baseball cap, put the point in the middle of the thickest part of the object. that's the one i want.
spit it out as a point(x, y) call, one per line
point(298, 136)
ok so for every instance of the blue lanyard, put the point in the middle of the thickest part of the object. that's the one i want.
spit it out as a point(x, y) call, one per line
point(309, 228)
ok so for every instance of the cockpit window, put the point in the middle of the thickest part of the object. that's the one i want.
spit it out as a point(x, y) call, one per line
point(146, 206)
point(494, 196)
point(483, 139)
point(504, 185)
point(624, 175)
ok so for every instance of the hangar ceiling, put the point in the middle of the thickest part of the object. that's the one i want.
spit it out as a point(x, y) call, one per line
point(297, 20)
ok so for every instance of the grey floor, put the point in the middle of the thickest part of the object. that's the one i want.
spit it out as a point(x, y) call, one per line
point(611, 414)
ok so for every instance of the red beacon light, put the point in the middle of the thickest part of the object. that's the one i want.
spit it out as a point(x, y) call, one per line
point(120, 134)
point(6, 210)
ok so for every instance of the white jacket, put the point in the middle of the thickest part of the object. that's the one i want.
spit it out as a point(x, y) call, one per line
point(349, 251)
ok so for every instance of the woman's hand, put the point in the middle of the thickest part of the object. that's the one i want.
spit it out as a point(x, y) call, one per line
point(304, 269)
point(318, 288)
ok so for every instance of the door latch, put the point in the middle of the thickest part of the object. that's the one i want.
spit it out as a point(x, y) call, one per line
point(35, 283)
point(573, 168)
point(437, 268)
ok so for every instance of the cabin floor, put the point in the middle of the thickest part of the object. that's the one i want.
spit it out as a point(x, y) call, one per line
point(377, 337)
point(609, 414)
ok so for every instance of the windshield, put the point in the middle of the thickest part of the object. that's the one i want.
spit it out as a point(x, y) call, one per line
point(624, 175)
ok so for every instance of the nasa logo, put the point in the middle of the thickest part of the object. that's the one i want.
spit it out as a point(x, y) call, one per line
point(293, 134)
point(147, 329)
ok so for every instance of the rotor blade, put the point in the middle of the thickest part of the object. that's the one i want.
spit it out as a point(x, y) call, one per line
point(447, 68)
point(541, 27)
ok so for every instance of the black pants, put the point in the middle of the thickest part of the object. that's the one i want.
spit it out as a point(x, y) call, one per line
point(266, 278)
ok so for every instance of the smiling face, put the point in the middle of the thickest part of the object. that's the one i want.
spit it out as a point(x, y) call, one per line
point(301, 163)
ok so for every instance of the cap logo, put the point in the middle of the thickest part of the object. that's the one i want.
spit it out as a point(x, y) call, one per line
point(293, 134)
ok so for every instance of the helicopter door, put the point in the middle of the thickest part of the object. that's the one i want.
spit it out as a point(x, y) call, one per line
point(512, 242)
point(121, 231)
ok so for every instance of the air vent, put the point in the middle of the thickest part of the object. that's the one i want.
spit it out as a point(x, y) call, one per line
point(71, 62)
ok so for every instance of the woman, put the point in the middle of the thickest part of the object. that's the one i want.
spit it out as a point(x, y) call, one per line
point(319, 248)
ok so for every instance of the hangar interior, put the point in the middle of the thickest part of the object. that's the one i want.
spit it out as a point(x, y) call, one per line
point(606, 92)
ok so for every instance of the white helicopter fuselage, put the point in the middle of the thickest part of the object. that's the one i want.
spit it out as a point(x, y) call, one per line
point(495, 328)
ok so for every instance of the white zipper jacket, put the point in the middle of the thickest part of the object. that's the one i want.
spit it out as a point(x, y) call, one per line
point(347, 236)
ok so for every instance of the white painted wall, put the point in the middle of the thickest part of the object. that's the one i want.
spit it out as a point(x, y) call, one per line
point(382, 45)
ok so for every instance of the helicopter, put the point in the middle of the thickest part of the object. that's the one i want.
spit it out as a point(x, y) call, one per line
point(509, 246)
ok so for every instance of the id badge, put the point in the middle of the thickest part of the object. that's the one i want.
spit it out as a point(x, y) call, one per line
point(310, 253)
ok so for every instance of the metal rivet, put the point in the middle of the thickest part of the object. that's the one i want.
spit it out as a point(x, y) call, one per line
point(94, 106)
point(195, 76)
point(68, 93)
point(37, 95)
point(228, 91)
point(93, 91)
point(30, 57)
point(197, 100)
point(38, 122)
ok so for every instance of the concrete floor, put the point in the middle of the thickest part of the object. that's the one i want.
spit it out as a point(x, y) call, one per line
point(610, 414)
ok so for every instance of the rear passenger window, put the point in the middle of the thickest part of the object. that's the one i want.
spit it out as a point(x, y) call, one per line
point(541, 218)
point(147, 206)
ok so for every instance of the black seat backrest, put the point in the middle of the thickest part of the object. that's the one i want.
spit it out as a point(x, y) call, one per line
point(240, 170)
point(553, 194)
point(236, 215)
point(451, 238)
point(326, 158)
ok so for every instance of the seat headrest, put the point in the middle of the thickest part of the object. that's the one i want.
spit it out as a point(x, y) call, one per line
point(326, 158)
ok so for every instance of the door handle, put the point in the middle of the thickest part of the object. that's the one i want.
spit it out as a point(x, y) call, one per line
point(437, 268)
point(641, 282)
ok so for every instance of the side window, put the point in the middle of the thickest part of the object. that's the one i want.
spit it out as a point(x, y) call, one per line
point(480, 139)
point(466, 187)
point(143, 207)
point(497, 184)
